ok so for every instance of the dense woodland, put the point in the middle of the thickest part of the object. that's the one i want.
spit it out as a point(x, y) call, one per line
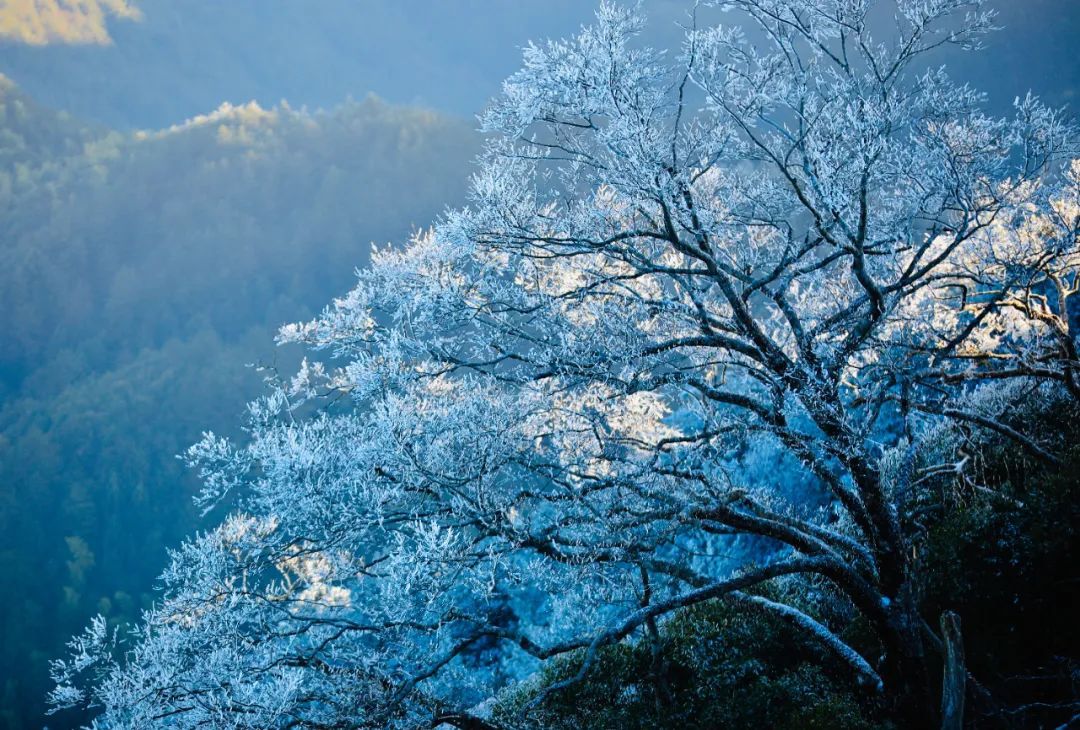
point(139, 274)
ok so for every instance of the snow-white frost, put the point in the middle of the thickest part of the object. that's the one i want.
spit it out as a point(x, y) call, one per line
point(691, 291)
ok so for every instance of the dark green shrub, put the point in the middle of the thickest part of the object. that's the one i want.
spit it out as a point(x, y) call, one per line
point(720, 666)
point(1006, 561)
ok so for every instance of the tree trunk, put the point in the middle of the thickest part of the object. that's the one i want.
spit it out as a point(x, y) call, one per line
point(911, 688)
point(906, 676)
point(955, 680)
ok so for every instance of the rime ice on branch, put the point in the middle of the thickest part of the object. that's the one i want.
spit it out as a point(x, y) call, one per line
point(792, 243)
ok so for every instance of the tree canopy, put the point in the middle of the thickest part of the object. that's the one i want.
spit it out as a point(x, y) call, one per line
point(674, 270)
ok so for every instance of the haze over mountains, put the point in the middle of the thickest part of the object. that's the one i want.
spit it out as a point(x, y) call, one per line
point(182, 59)
point(139, 272)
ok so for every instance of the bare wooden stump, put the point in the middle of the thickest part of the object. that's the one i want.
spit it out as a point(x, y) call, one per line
point(955, 679)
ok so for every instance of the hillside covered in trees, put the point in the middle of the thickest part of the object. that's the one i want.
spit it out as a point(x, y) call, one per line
point(139, 273)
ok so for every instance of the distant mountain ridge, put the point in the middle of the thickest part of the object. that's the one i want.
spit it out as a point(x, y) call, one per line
point(184, 58)
point(40, 22)
point(139, 271)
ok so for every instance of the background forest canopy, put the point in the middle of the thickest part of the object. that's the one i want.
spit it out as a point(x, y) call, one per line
point(139, 272)
point(146, 260)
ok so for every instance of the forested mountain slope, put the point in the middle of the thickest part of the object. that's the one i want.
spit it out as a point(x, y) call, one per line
point(138, 273)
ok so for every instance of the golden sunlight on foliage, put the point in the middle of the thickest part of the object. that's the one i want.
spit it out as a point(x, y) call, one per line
point(41, 22)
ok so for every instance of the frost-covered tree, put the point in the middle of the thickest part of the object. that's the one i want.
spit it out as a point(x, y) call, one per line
point(1012, 312)
point(802, 240)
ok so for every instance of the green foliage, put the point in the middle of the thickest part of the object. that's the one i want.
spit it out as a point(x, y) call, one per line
point(719, 665)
